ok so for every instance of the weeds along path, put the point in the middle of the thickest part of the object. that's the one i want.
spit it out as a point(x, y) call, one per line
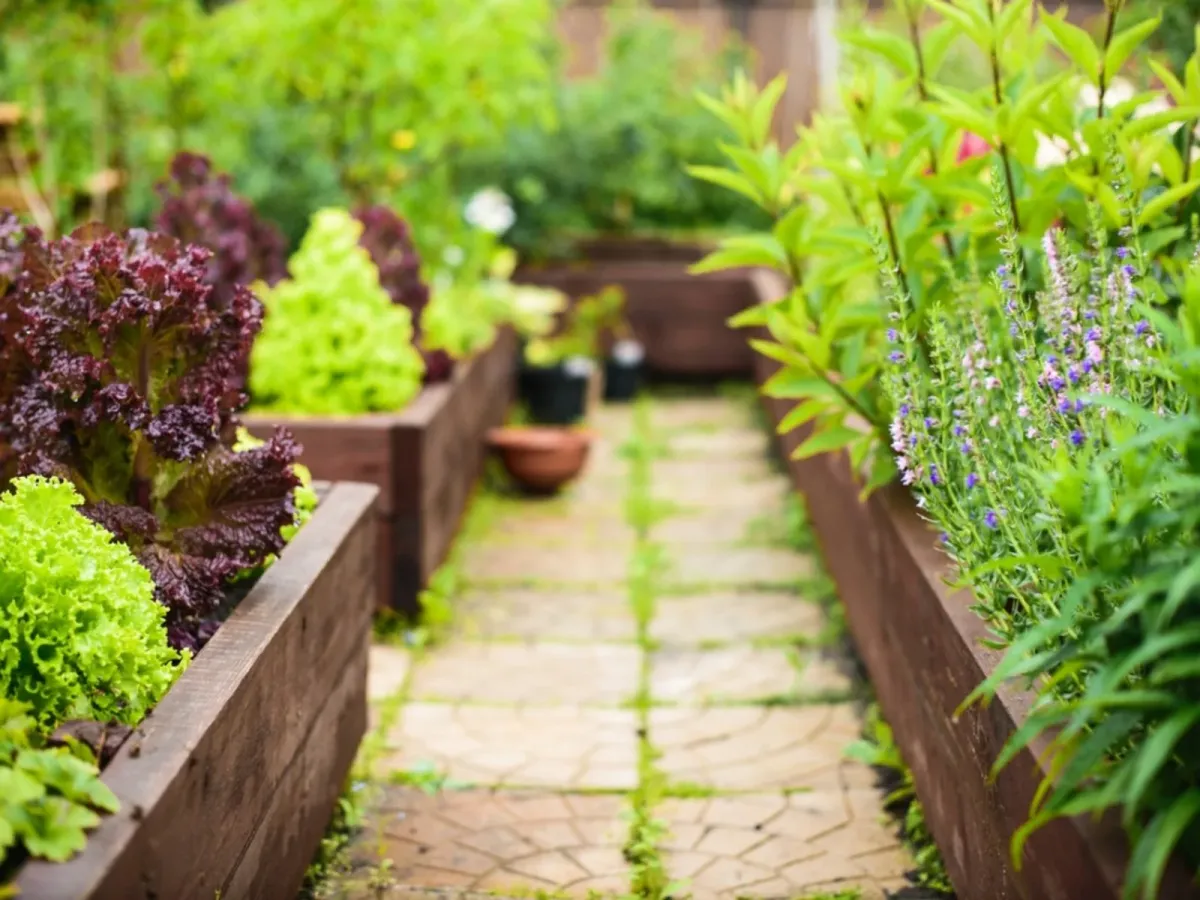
point(636, 689)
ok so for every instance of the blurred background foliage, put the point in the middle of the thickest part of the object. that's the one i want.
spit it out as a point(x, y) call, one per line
point(414, 104)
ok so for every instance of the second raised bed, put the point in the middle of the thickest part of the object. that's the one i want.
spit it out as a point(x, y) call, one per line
point(425, 459)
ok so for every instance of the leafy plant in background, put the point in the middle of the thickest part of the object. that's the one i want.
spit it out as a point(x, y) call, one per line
point(587, 322)
point(118, 384)
point(83, 637)
point(50, 796)
point(200, 207)
point(613, 162)
point(906, 169)
point(388, 240)
point(333, 341)
point(370, 80)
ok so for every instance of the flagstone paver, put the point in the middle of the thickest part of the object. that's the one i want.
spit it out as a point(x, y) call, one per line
point(744, 674)
point(532, 674)
point(565, 747)
point(560, 615)
point(726, 617)
point(531, 713)
point(732, 567)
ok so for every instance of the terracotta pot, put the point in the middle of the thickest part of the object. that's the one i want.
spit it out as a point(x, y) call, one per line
point(541, 459)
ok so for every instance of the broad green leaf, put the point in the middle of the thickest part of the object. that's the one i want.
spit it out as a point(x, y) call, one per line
point(1123, 44)
point(798, 415)
point(1173, 85)
point(790, 385)
point(1075, 42)
point(763, 112)
point(892, 47)
point(743, 251)
point(1154, 753)
point(825, 441)
point(1166, 200)
point(727, 178)
point(1156, 844)
point(968, 21)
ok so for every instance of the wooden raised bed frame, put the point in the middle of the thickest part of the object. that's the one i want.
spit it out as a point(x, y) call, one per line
point(227, 788)
point(425, 460)
point(680, 318)
point(921, 645)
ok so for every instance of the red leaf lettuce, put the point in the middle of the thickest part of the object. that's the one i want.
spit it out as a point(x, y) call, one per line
point(117, 380)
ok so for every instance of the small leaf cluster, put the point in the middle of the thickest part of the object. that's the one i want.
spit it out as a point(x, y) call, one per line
point(588, 323)
point(82, 635)
point(898, 183)
point(49, 797)
point(333, 342)
point(117, 380)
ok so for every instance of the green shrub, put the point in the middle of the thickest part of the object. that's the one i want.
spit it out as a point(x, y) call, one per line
point(48, 797)
point(332, 340)
point(81, 635)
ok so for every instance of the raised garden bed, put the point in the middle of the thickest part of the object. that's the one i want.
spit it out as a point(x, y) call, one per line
point(226, 789)
point(679, 318)
point(425, 460)
point(920, 643)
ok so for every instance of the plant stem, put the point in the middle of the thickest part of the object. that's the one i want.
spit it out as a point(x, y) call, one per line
point(1110, 27)
point(1002, 146)
point(914, 33)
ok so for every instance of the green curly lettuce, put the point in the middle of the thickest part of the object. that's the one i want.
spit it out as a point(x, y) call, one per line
point(81, 635)
point(49, 798)
point(333, 343)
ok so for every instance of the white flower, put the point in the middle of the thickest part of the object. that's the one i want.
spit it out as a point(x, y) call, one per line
point(453, 256)
point(1117, 92)
point(628, 352)
point(1050, 151)
point(491, 210)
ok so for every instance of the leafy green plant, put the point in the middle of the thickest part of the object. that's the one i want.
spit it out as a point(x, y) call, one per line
point(83, 637)
point(588, 321)
point(50, 797)
point(877, 748)
point(613, 162)
point(332, 341)
point(895, 185)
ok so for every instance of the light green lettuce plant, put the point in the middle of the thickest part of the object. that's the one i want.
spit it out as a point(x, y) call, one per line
point(332, 340)
point(81, 635)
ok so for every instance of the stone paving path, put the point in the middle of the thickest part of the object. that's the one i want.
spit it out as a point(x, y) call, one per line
point(513, 751)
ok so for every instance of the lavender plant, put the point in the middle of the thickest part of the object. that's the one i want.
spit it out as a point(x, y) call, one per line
point(1043, 442)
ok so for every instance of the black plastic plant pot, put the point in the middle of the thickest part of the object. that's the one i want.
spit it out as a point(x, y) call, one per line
point(623, 371)
point(556, 395)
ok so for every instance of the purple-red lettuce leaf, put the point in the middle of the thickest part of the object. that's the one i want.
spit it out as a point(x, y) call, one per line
point(200, 207)
point(387, 238)
point(121, 368)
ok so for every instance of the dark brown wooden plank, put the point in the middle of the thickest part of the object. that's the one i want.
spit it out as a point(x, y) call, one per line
point(195, 780)
point(299, 814)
